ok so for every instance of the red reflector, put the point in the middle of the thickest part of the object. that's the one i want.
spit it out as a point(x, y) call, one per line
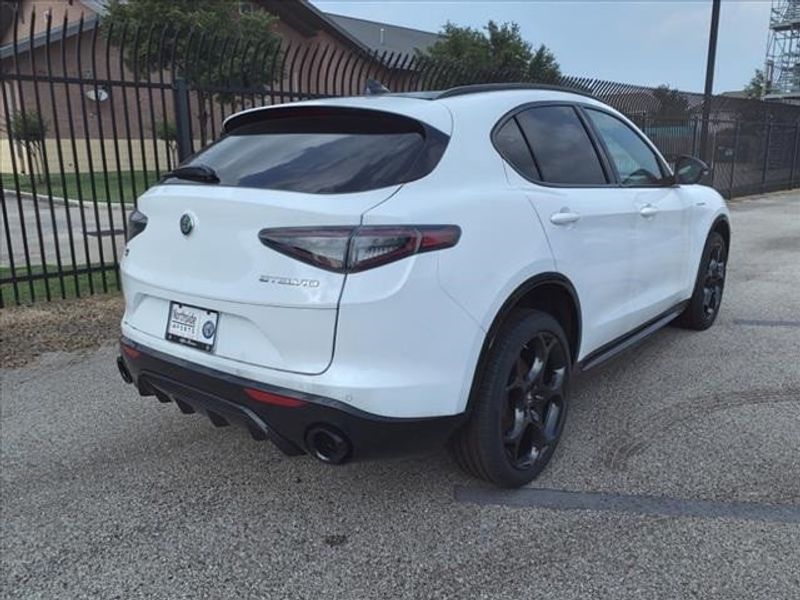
point(130, 352)
point(269, 398)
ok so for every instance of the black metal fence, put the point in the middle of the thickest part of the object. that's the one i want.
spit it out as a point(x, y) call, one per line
point(90, 124)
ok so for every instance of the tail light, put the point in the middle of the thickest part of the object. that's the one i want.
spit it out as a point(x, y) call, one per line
point(345, 249)
point(137, 221)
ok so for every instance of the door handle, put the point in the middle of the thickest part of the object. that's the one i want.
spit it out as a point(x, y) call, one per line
point(648, 210)
point(564, 217)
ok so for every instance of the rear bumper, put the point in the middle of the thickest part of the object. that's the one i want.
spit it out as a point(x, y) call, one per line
point(283, 416)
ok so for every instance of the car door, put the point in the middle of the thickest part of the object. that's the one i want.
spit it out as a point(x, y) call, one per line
point(588, 223)
point(661, 232)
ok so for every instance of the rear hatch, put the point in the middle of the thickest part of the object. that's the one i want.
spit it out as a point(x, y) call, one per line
point(288, 167)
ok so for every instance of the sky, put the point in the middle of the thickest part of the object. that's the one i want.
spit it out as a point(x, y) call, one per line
point(645, 42)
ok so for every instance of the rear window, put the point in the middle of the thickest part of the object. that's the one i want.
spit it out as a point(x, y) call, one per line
point(323, 151)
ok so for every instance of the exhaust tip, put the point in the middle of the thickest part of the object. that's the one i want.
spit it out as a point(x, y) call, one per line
point(328, 445)
point(123, 370)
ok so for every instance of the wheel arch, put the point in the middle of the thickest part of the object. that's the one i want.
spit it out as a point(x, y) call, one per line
point(549, 292)
point(722, 226)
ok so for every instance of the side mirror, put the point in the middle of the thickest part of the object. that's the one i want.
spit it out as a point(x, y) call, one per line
point(689, 170)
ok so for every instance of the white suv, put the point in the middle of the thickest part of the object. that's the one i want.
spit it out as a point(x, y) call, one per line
point(356, 276)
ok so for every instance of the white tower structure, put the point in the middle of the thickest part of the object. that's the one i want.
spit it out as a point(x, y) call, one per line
point(782, 69)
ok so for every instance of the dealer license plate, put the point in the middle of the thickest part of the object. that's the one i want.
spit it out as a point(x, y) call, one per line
point(192, 325)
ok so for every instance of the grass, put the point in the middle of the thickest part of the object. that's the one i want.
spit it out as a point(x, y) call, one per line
point(71, 290)
point(85, 180)
point(27, 332)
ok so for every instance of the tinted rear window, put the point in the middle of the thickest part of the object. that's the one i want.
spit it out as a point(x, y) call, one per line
point(323, 151)
point(561, 147)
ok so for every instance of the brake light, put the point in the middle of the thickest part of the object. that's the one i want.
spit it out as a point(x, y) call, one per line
point(345, 249)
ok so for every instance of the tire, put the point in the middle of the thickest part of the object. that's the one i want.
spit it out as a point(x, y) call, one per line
point(520, 405)
point(709, 284)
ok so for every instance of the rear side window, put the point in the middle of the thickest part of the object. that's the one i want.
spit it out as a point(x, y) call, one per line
point(323, 151)
point(512, 146)
point(562, 149)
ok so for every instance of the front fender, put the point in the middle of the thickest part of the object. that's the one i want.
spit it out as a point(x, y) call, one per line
point(707, 209)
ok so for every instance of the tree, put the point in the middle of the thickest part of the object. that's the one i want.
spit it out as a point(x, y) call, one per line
point(214, 45)
point(168, 133)
point(30, 129)
point(673, 103)
point(496, 53)
point(758, 86)
point(543, 66)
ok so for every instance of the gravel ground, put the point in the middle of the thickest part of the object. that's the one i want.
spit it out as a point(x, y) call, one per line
point(108, 495)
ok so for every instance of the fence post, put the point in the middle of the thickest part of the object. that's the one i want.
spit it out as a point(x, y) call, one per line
point(735, 158)
point(766, 159)
point(183, 126)
point(694, 137)
point(794, 155)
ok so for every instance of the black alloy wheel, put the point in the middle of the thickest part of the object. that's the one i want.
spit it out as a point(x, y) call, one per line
point(534, 411)
point(519, 403)
point(706, 300)
point(714, 280)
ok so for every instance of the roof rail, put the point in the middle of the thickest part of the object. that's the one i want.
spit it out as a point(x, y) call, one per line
point(478, 88)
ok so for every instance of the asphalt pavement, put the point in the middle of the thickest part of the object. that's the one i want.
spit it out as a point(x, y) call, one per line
point(678, 476)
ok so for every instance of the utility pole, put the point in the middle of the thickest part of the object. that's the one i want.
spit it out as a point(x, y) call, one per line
point(712, 59)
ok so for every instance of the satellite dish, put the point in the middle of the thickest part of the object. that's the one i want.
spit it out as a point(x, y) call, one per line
point(98, 95)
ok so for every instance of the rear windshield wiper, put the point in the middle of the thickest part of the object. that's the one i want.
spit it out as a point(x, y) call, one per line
point(202, 173)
